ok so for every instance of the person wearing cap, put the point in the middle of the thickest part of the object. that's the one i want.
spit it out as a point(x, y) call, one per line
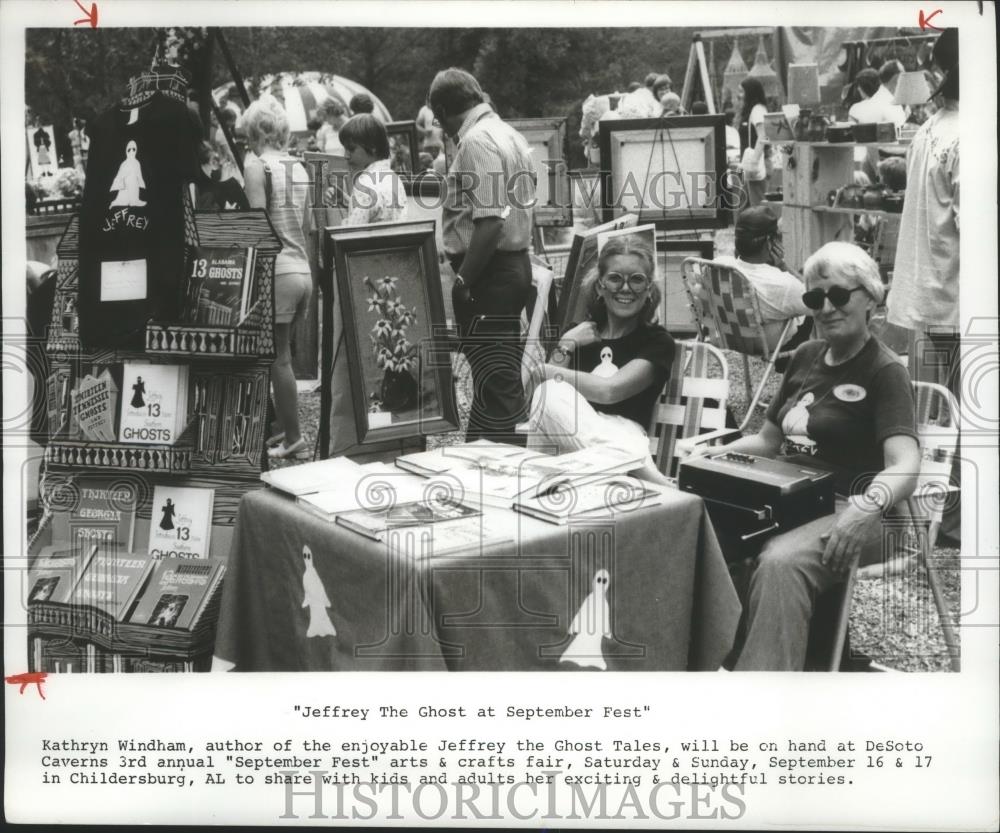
point(487, 231)
point(924, 296)
point(759, 256)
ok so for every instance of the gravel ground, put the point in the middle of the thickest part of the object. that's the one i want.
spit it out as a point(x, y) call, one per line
point(893, 620)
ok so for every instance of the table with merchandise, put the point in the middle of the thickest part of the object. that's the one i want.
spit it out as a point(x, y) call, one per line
point(643, 587)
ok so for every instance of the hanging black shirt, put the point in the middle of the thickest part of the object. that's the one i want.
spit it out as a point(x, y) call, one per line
point(132, 220)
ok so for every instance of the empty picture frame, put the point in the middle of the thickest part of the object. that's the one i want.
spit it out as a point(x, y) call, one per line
point(582, 260)
point(669, 171)
point(546, 137)
point(404, 150)
point(390, 297)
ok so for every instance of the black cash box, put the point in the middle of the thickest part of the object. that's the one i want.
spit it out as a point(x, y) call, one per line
point(755, 496)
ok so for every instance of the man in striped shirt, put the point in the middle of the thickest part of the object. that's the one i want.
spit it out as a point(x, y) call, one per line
point(487, 229)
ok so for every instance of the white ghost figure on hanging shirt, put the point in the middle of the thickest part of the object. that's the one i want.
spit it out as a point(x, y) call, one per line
point(314, 597)
point(591, 623)
point(607, 367)
point(129, 179)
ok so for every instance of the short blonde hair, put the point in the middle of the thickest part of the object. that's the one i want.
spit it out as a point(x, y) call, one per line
point(848, 261)
point(266, 123)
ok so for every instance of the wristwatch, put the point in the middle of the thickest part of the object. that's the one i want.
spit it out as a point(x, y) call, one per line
point(459, 280)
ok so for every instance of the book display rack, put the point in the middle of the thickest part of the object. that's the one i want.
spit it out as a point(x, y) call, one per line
point(218, 444)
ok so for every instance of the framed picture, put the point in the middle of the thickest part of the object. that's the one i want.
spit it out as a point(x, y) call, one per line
point(546, 138)
point(390, 296)
point(42, 151)
point(675, 312)
point(582, 260)
point(669, 171)
point(403, 147)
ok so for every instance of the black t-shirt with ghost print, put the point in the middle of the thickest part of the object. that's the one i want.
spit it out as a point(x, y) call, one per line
point(606, 357)
point(842, 415)
point(132, 220)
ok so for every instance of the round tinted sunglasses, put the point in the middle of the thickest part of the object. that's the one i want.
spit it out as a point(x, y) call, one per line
point(838, 296)
point(614, 281)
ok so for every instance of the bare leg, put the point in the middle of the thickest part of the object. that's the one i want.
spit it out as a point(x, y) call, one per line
point(286, 396)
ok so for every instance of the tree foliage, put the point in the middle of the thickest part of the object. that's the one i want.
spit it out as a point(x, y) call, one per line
point(527, 72)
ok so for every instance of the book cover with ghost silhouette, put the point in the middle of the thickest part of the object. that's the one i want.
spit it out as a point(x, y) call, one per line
point(181, 523)
point(153, 403)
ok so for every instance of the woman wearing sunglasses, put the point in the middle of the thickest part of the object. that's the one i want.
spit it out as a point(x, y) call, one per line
point(845, 405)
point(602, 380)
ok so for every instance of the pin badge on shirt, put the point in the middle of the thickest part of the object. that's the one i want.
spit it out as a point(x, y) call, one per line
point(850, 393)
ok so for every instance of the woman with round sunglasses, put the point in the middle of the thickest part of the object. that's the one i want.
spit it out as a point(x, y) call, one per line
point(602, 380)
point(845, 405)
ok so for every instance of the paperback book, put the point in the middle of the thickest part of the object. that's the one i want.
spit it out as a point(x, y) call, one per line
point(94, 406)
point(154, 403)
point(374, 525)
point(54, 574)
point(177, 592)
point(98, 508)
point(113, 580)
point(181, 524)
point(220, 285)
point(562, 500)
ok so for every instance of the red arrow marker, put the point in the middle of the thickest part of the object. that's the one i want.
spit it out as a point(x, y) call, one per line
point(91, 17)
point(925, 22)
point(35, 678)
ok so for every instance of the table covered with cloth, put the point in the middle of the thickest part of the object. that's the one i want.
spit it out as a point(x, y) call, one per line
point(642, 590)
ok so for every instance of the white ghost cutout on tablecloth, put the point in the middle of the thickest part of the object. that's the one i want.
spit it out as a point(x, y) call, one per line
point(591, 623)
point(607, 367)
point(314, 597)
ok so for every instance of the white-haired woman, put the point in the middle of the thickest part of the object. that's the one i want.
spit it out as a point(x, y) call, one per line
point(602, 380)
point(277, 182)
point(845, 405)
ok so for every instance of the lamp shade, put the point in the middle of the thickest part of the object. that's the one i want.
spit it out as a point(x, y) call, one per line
point(803, 84)
point(912, 89)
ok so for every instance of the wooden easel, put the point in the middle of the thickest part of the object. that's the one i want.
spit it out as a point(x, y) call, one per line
point(697, 57)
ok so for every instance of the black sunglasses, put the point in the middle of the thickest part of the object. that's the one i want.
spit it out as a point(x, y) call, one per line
point(838, 296)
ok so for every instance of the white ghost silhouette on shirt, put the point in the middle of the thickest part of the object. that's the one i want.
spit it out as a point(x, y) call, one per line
point(607, 367)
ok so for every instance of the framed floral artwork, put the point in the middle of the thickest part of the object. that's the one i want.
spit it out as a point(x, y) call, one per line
point(393, 311)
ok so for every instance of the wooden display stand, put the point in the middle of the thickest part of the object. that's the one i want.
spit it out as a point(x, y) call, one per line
point(221, 448)
point(812, 171)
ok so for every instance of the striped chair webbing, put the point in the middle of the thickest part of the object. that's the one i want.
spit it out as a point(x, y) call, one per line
point(693, 271)
point(681, 411)
point(736, 311)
